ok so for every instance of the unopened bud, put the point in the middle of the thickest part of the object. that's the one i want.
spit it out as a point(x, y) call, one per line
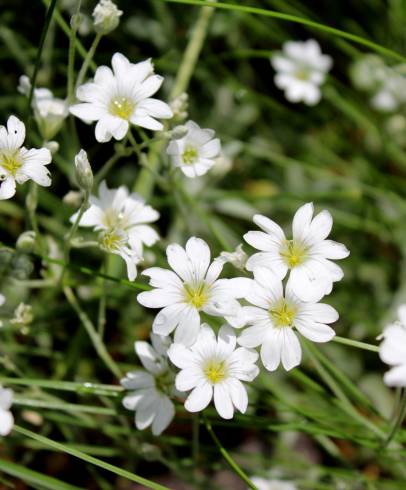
point(179, 106)
point(84, 174)
point(53, 146)
point(26, 241)
point(73, 198)
point(106, 16)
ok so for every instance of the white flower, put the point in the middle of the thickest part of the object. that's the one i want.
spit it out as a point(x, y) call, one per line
point(152, 387)
point(392, 350)
point(274, 316)
point(6, 417)
point(214, 368)
point(2, 299)
point(264, 484)
point(118, 209)
point(238, 258)
point(392, 92)
point(117, 98)
point(301, 69)
point(84, 174)
point(196, 152)
point(193, 287)
point(49, 111)
point(17, 164)
point(307, 255)
point(106, 16)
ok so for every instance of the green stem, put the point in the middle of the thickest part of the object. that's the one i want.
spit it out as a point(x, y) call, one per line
point(298, 20)
point(356, 343)
point(398, 421)
point(233, 465)
point(79, 388)
point(89, 459)
point(65, 407)
point(88, 59)
point(72, 50)
point(94, 336)
point(101, 319)
point(146, 179)
point(48, 19)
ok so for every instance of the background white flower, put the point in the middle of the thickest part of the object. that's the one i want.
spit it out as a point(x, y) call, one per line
point(392, 350)
point(192, 287)
point(214, 368)
point(274, 317)
point(17, 164)
point(301, 69)
point(117, 98)
point(267, 484)
point(308, 255)
point(151, 388)
point(196, 152)
point(6, 417)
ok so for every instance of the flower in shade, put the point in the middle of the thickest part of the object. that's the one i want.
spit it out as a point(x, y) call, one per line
point(6, 417)
point(192, 287)
point(123, 222)
point(214, 368)
point(392, 350)
point(196, 152)
point(120, 97)
point(275, 315)
point(301, 69)
point(152, 387)
point(307, 255)
point(17, 164)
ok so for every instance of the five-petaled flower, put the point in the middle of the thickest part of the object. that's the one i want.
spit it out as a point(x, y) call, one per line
point(307, 255)
point(192, 287)
point(214, 368)
point(274, 317)
point(17, 164)
point(196, 152)
point(152, 387)
point(392, 350)
point(301, 69)
point(118, 97)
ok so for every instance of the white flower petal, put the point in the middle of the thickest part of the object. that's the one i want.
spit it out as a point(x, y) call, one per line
point(291, 354)
point(164, 415)
point(222, 401)
point(7, 188)
point(199, 398)
point(396, 376)
point(168, 319)
point(6, 422)
point(188, 328)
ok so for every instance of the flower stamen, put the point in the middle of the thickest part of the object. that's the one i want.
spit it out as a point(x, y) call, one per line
point(282, 314)
point(10, 162)
point(121, 107)
point(215, 371)
point(293, 253)
point(197, 295)
point(189, 156)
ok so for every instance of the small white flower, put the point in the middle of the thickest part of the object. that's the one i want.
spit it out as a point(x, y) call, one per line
point(17, 164)
point(265, 484)
point(307, 255)
point(118, 97)
point(392, 92)
point(152, 387)
point(301, 69)
point(392, 350)
point(238, 258)
point(106, 16)
point(6, 417)
point(192, 287)
point(274, 316)
point(49, 111)
point(214, 368)
point(117, 209)
point(196, 152)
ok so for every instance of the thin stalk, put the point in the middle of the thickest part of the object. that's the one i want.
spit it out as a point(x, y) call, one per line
point(233, 465)
point(356, 343)
point(88, 59)
point(94, 336)
point(65, 407)
point(89, 459)
point(72, 50)
point(101, 317)
point(298, 20)
point(44, 32)
point(397, 422)
point(146, 179)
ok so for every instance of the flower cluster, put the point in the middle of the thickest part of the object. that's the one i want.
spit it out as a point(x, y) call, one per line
point(260, 311)
point(122, 221)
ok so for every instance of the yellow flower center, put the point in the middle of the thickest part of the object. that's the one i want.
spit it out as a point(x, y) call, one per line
point(121, 107)
point(190, 155)
point(111, 240)
point(293, 253)
point(197, 294)
point(10, 162)
point(215, 371)
point(282, 314)
point(302, 74)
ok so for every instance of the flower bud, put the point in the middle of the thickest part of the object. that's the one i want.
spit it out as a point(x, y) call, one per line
point(179, 106)
point(53, 146)
point(26, 241)
point(84, 174)
point(106, 16)
point(73, 198)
